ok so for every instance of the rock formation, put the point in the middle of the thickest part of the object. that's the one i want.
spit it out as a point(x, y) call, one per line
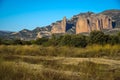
point(43, 34)
point(80, 23)
point(93, 22)
point(59, 27)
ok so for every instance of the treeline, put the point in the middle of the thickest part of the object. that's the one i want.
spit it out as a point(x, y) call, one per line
point(95, 37)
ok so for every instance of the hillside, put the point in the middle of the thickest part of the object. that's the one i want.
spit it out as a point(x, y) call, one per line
point(115, 14)
point(81, 23)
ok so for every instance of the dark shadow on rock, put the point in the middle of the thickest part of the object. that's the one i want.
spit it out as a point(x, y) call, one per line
point(69, 26)
point(113, 24)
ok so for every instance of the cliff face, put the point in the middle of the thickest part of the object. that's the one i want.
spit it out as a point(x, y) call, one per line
point(83, 22)
point(88, 23)
point(82, 25)
point(59, 27)
point(115, 15)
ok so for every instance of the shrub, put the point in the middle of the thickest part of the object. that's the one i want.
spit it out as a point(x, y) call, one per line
point(98, 37)
point(41, 41)
point(78, 41)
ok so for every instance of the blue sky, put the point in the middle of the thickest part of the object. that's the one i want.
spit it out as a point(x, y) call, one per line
point(16, 15)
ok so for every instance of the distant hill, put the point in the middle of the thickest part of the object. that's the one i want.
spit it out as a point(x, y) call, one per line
point(5, 34)
point(87, 22)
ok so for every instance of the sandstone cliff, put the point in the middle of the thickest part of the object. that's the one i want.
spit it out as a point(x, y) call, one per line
point(43, 34)
point(83, 22)
point(59, 27)
point(115, 15)
point(88, 23)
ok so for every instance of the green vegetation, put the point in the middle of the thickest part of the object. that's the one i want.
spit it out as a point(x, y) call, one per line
point(95, 37)
point(67, 57)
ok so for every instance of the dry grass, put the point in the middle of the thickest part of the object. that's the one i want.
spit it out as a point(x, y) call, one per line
point(48, 70)
point(110, 51)
point(33, 62)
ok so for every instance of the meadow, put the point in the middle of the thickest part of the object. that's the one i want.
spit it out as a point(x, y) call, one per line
point(34, 62)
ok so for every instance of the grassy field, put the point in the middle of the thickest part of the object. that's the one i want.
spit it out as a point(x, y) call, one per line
point(95, 62)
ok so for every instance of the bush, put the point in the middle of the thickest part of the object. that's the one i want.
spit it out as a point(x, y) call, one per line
point(98, 37)
point(41, 41)
point(114, 39)
point(95, 37)
point(78, 41)
point(66, 40)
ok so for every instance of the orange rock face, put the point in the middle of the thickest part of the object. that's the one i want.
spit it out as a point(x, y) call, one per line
point(59, 27)
point(93, 22)
point(82, 25)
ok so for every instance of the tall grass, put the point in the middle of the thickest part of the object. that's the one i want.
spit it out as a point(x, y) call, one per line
point(89, 51)
point(9, 71)
point(53, 69)
point(56, 71)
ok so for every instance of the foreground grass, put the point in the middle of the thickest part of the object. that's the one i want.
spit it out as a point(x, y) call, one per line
point(57, 71)
point(59, 63)
point(8, 71)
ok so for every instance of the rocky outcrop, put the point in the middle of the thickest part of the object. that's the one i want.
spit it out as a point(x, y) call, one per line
point(59, 27)
point(115, 15)
point(43, 34)
point(80, 23)
point(88, 23)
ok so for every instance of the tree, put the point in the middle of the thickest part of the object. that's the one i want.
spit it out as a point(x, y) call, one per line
point(17, 42)
point(119, 36)
point(0, 41)
point(114, 39)
point(79, 41)
point(97, 37)
point(65, 40)
point(41, 41)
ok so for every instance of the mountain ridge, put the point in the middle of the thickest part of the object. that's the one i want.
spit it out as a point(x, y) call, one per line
point(70, 25)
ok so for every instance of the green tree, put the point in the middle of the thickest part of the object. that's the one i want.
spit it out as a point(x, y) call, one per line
point(114, 39)
point(0, 41)
point(65, 40)
point(26, 42)
point(119, 36)
point(79, 41)
point(17, 42)
point(41, 41)
point(98, 37)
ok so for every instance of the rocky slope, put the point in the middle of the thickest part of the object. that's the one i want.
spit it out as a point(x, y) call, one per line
point(5, 34)
point(90, 22)
point(59, 27)
point(81, 23)
point(115, 15)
